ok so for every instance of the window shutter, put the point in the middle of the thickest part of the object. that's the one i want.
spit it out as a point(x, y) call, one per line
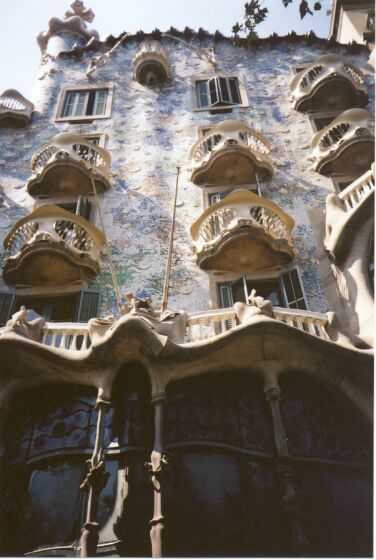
point(234, 90)
point(83, 207)
point(213, 91)
point(293, 291)
point(223, 90)
point(88, 305)
point(225, 295)
point(6, 306)
point(239, 290)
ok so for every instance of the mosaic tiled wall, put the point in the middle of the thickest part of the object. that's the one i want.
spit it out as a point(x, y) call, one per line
point(150, 132)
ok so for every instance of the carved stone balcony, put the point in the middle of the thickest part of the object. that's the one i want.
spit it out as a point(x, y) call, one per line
point(15, 110)
point(345, 146)
point(346, 211)
point(64, 167)
point(231, 154)
point(151, 64)
point(328, 84)
point(243, 233)
point(52, 247)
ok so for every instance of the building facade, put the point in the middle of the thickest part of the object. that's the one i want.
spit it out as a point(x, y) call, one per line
point(187, 297)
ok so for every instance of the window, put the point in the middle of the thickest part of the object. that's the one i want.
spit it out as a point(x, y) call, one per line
point(85, 104)
point(81, 208)
point(6, 304)
point(296, 68)
point(219, 93)
point(285, 291)
point(78, 307)
point(321, 120)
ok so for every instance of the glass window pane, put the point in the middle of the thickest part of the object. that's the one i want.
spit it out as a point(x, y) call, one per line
point(69, 104)
point(100, 102)
point(225, 296)
point(202, 93)
point(81, 104)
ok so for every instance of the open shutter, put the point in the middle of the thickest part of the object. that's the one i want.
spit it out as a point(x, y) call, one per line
point(239, 290)
point(6, 307)
point(213, 92)
point(88, 305)
point(233, 86)
point(224, 91)
point(293, 291)
point(83, 207)
point(225, 295)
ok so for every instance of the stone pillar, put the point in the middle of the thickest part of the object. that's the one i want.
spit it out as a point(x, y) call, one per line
point(94, 483)
point(290, 495)
point(157, 462)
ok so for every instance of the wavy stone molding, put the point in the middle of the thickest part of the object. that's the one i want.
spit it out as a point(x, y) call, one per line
point(243, 232)
point(74, 22)
point(244, 348)
point(15, 109)
point(231, 153)
point(346, 146)
point(65, 165)
point(52, 247)
point(151, 63)
point(330, 83)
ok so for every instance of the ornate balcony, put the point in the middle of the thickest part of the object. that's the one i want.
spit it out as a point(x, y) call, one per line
point(52, 247)
point(231, 154)
point(243, 233)
point(15, 110)
point(348, 210)
point(345, 146)
point(64, 167)
point(151, 64)
point(328, 84)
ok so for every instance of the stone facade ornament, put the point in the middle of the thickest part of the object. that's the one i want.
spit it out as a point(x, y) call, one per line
point(151, 64)
point(20, 326)
point(75, 21)
point(257, 306)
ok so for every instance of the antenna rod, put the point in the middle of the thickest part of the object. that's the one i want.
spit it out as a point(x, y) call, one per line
point(110, 261)
point(170, 246)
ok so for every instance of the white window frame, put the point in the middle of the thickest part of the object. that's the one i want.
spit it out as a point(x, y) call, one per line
point(244, 102)
point(59, 116)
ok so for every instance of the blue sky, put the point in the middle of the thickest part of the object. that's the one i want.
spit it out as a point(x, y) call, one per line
point(22, 20)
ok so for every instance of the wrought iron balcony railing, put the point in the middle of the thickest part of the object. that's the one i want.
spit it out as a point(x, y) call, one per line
point(51, 247)
point(151, 63)
point(243, 232)
point(15, 110)
point(231, 153)
point(331, 83)
point(65, 165)
point(346, 145)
